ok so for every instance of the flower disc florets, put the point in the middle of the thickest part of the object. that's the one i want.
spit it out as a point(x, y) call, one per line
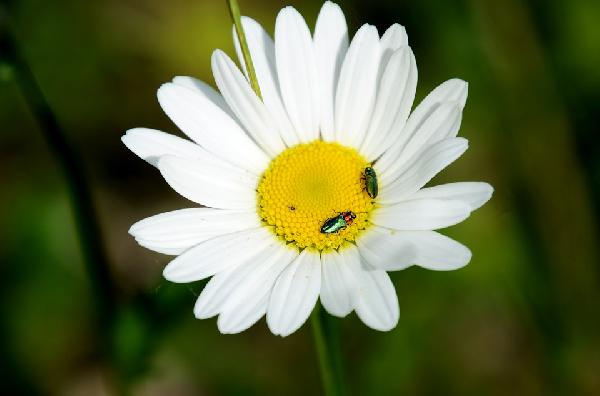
point(309, 183)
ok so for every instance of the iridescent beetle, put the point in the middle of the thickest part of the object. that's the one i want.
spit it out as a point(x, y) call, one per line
point(337, 223)
point(371, 182)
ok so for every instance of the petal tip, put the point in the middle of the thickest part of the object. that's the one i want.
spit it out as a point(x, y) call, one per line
point(217, 56)
point(167, 273)
point(130, 135)
point(487, 192)
point(164, 91)
point(287, 12)
point(330, 6)
point(135, 228)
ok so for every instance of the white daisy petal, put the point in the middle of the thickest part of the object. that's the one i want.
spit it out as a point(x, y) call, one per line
point(420, 170)
point(438, 126)
point(433, 250)
point(249, 301)
point(357, 86)
point(150, 145)
point(262, 52)
point(248, 107)
point(297, 71)
point(217, 254)
point(233, 322)
point(224, 284)
point(176, 231)
point(395, 96)
point(421, 214)
point(377, 303)
point(218, 288)
point(339, 285)
point(202, 88)
point(382, 249)
point(212, 128)
point(331, 43)
point(475, 194)
point(295, 294)
point(221, 285)
point(215, 184)
point(394, 38)
point(453, 90)
point(393, 250)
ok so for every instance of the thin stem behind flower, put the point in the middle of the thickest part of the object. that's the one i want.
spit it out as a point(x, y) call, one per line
point(327, 346)
point(88, 229)
point(234, 10)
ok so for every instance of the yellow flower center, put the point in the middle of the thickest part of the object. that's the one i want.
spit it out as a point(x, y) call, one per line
point(310, 183)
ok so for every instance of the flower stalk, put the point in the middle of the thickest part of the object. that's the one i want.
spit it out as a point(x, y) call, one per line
point(234, 10)
point(88, 228)
point(326, 347)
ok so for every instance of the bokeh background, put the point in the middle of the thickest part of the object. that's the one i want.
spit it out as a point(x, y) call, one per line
point(523, 318)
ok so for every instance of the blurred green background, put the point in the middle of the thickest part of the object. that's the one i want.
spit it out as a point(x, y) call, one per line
point(523, 318)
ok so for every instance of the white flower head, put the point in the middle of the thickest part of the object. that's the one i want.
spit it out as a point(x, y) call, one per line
point(287, 216)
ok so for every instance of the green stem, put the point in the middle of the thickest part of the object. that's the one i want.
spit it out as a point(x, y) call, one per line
point(79, 191)
point(234, 10)
point(328, 352)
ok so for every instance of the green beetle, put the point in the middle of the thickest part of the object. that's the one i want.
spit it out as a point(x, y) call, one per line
point(371, 182)
point(338, 222)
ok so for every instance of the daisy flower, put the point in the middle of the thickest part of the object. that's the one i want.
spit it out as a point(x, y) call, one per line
point(286, 216)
